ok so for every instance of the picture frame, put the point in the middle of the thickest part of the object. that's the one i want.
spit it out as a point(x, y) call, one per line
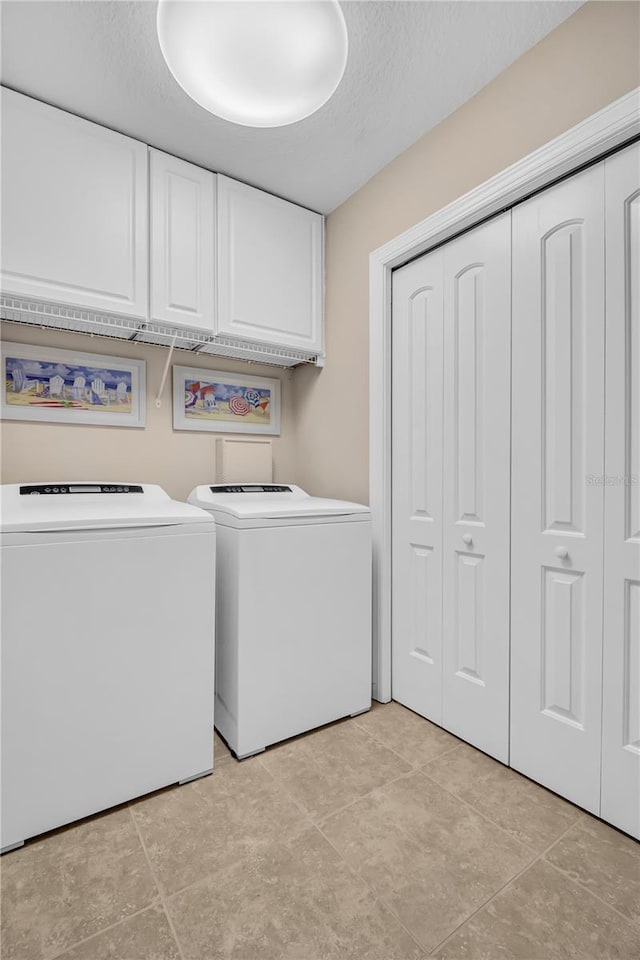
point(217, 401)
point(51, 385)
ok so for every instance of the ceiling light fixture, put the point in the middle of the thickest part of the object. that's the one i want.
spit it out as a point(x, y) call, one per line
point(259, 63)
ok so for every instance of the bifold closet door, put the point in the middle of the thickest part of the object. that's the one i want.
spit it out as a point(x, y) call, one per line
point(417, 349)
point(557, 502)
point(621, 655)
point(450, 526)
point(476, 461)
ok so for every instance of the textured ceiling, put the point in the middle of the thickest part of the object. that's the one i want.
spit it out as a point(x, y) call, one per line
point(410, 65)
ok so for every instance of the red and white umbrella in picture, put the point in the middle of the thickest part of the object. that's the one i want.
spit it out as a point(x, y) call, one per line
point(239, 406)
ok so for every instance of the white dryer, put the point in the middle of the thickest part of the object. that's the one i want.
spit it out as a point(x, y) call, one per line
point(107, 649)
point(293, 615)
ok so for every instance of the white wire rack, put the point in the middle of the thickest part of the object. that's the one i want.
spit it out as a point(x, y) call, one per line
point(59, 317)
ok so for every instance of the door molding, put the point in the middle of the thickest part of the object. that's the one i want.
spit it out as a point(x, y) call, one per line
point(600, 133)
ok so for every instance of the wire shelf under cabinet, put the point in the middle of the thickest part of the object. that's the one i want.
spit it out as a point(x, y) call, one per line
point(73, 320)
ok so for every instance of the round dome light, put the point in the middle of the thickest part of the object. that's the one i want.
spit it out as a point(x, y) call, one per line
point(259, 63)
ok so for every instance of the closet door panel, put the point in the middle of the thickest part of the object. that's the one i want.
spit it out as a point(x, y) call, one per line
point(621, 659)
point(557, 502)
point(477, 322)
point(417, 486)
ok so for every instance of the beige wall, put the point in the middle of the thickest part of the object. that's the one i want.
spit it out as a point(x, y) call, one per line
point(590, 60)
point(177, 460)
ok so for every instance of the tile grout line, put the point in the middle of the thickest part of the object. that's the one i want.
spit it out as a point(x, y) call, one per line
point(511, 880)
point(317, 825)
point(208, 876)
point(158, 885)
point(378, 899)
point(78, 943)
point(310, 823)
point(521, 778)
point(332, 813)
point(581, 813)
point(527, 846)
point(380, 786)
point(281, 786)
point(565, 873)
point(414, 768)
point(458, 743)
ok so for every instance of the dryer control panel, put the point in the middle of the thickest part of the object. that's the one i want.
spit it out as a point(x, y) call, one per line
point(250, 488)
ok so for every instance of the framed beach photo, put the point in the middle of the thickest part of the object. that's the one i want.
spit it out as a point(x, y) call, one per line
point(222, 402)
point(64, 386)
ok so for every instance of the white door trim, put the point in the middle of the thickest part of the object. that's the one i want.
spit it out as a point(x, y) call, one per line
point(614, 125)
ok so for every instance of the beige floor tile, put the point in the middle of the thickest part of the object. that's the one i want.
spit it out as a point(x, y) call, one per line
point(430, 857)
point(605, 861)
point(192, 830)
point(328, 739)
point(293, 901)
point(337, 765)
point(147, 936)
point(543, 916)
point(221, 752)
point(529, 812)
point(416, 740)
point(72, 884)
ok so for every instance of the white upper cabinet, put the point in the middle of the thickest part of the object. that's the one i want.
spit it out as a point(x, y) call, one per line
point(269, 268)
point(182, 236)
point(74, 210)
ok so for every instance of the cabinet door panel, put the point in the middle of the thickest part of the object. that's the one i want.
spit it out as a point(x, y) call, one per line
point(182, 242)
point(621, 656)
point(477, 341)
point(74, 210)
point(269, 268)
point(557, 502)
point(417, 486)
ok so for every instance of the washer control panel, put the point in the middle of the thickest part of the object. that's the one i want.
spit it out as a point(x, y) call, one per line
point(50, 488)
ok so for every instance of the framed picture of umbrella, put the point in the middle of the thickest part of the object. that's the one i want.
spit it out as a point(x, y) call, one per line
point(221, 402)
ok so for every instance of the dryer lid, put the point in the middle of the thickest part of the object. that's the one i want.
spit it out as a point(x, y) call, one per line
point(39, 507)
point(254, 501)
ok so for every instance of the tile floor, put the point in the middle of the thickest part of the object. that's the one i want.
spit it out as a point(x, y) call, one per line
point(377, 838)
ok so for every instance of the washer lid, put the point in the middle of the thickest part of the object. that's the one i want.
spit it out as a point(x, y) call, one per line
point(253, 501)
point(37, 507)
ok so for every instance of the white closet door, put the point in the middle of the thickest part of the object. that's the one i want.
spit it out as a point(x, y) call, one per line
point(477, 367)
point(621, 660)
point(557, 521)
point(417, 486)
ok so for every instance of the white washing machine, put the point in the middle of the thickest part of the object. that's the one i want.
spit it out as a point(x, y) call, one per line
point(293, 615)
point(107, 649)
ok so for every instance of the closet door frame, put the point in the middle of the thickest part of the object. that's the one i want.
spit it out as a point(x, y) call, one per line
point(612, 127)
